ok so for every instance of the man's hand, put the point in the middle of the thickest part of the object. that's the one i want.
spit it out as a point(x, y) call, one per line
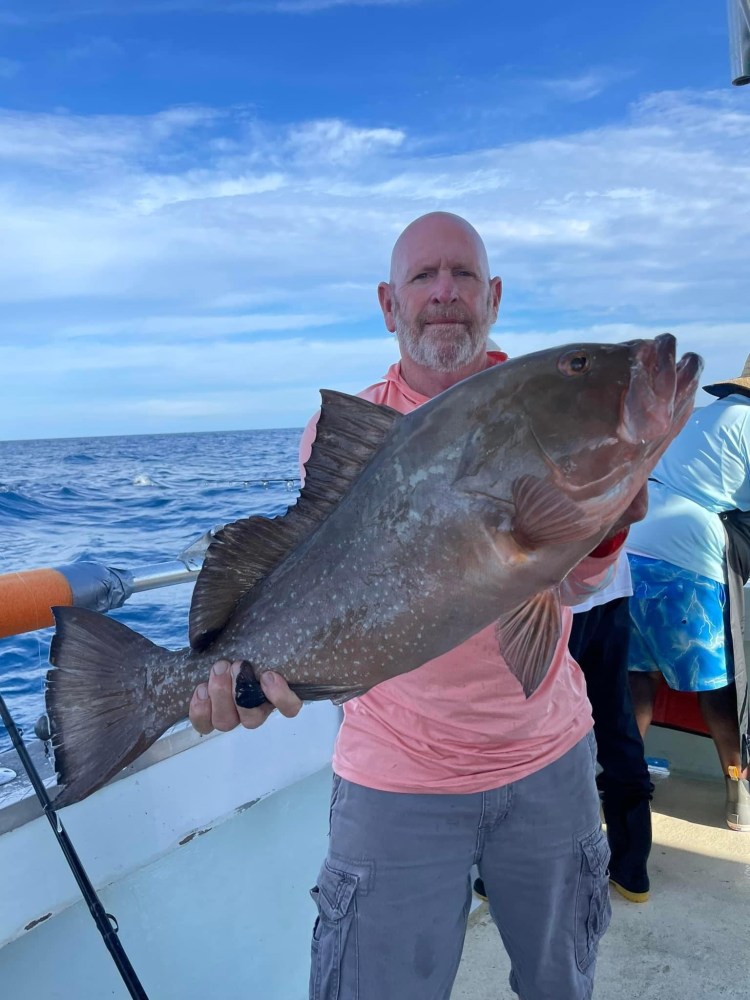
point(213, 706)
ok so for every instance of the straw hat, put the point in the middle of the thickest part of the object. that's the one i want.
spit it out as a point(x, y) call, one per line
point(730, 385)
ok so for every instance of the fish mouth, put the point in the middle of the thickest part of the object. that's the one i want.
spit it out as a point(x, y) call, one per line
point(660, 393)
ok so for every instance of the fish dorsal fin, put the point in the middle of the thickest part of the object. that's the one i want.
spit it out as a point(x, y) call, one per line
point(349, 432)
point(528, 636)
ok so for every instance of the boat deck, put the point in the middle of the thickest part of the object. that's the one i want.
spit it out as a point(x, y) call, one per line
point(225, 911)
point(688, 942)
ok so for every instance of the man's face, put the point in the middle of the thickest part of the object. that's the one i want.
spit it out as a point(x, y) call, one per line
point(440, 301)
point(444, 337)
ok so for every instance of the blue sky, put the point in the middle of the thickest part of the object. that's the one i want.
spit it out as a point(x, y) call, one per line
point(197, 199)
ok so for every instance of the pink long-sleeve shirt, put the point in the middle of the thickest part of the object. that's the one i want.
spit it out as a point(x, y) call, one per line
point(461, 723)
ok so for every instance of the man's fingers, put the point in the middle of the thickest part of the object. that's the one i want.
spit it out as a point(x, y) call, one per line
point(251, 718)
point(278, 692)
point(224, 714)
point(199, 712)
point(213, 706)
point(279, 695)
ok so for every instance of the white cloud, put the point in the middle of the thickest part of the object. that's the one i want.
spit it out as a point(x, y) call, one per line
point(86, 145)
point(723, 346)
point(196, 327)
point(176, 243)
point(267, 383)
point(144, 388)
point(579, 88)
point(333, 141)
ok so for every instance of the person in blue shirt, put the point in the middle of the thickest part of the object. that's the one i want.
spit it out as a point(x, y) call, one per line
point(679, 609)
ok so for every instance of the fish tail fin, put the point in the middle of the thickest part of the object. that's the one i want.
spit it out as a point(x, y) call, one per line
point(97, 699)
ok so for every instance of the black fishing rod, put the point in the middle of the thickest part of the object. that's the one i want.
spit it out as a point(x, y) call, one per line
point(106, 923)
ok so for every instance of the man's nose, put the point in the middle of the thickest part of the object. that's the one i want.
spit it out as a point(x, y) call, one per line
point(444, 289)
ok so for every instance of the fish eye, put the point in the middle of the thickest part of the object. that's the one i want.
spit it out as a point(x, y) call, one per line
point(574, 363)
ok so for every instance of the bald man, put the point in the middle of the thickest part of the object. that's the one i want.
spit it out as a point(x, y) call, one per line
point(450, 765)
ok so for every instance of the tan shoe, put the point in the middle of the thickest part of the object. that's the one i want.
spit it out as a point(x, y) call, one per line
point(738, 804)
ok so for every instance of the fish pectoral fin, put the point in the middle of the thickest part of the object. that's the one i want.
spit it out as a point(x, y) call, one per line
point(528, 636)
point(545, 515)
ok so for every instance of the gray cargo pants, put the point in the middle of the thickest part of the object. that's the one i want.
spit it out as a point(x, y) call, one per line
point(394, 893)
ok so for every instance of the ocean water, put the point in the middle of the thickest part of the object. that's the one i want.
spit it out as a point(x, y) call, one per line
point(126, 502)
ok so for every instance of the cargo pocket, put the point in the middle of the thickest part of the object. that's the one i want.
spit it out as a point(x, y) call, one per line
point(593, 909)
point(334, 967)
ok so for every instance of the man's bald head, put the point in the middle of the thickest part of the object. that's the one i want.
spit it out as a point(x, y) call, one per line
point(436, 228)
point(440, 300)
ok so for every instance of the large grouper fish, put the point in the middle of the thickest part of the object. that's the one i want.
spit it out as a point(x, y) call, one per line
point(411, 533)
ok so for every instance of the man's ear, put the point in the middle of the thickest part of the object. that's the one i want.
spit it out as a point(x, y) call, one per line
point(496, 293)
point(385, 298)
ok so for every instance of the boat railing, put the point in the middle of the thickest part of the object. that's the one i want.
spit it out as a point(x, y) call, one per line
point(27, 597)
point(26, 601)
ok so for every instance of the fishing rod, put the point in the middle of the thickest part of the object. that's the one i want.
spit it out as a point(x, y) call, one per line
point(105, 922)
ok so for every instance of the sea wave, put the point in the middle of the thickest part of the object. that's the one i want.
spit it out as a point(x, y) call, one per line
point(65, 502)
point(19, 506)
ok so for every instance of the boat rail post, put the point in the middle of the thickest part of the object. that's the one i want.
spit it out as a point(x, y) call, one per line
point(739, 41)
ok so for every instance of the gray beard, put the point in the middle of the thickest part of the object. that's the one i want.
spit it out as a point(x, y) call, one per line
point(443, 349)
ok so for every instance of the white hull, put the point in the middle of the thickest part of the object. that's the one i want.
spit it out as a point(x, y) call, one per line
point(223, 837)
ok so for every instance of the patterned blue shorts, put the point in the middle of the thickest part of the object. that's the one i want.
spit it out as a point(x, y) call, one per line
point(677, 626)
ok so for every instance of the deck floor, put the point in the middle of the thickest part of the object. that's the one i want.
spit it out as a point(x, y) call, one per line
point(688, 942)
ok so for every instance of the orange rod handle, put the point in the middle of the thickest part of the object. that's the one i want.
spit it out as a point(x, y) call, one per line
point(26, 599)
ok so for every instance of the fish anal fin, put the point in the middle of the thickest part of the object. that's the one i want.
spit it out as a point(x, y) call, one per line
point(545, 515)
point(327, 692)
point(349, 432)
point(528, 636)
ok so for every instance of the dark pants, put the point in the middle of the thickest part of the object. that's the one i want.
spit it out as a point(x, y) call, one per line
point(599, 643)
